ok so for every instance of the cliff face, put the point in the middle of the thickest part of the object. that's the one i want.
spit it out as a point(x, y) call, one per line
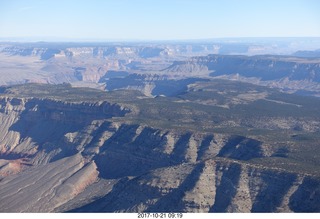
point(45, 187)
point(262, 67)
point(267, 68)
point(190, 173)
point(30, 126)
point(211, 186)
point(85, 156)
point(288, 73)
point(46, 52)
point(88, 65)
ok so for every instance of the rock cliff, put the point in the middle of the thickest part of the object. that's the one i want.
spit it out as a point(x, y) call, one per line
point(81, 155)
point(285, 72)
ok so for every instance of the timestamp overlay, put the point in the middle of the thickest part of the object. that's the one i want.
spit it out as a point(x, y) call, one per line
point(160, 215)
point(216, 215)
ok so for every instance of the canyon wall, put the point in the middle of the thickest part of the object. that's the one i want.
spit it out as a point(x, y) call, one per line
point(55, 155)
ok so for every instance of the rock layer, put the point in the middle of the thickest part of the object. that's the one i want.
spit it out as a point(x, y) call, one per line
point(83, 156)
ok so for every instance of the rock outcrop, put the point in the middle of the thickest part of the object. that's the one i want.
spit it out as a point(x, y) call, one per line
point(59, 155)
point(263, 67)
point(288, 73)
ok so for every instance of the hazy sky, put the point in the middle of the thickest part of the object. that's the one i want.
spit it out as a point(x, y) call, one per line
point(158, 19)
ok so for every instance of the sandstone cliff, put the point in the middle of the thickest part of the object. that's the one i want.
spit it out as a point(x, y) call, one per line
point(62, 155)
point(288, 73)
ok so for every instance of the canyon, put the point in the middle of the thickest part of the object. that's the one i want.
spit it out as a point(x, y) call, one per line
point(96, 151)
point(148, 66)
point(224, 126)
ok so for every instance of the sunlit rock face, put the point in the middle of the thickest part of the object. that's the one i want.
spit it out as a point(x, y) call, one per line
point(72, 153)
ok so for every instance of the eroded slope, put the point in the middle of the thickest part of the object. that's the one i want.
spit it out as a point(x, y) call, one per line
point(220, 147)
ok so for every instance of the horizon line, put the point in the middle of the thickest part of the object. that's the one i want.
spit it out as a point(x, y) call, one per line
point(88, 40)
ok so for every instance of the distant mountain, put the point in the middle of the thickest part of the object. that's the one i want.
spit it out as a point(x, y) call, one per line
point(264, 67)
point(88, 63)
point(47, 50)
point(308, 54)
point(285, 72)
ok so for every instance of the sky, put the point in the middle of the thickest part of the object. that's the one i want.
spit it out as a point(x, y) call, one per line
point(157, 19)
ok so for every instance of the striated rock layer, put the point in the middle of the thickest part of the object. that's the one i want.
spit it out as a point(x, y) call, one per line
point(83, 156)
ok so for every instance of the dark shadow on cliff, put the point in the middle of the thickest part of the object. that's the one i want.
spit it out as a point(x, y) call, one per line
point(241, 148)
point(127, 153)
point(180, 148)
point(127, 194)
point(47, 128)
point(124, 195)
point(227, 188)
point(173, 202)
point(307, 197)
point(275, 186)
point(204, 146)
point(172, 88)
